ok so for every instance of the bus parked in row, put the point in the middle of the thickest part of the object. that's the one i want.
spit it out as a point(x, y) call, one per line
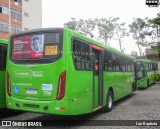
point(58, 71)
point(3, 55)
point(145, 73)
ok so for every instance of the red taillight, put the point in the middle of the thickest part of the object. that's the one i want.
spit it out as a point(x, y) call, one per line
point(8, 84)
point(61, 86)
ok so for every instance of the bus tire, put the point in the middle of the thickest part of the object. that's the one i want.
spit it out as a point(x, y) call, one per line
point(155, 80)
point(109, 104)
point(132, 89)
point(147, 83)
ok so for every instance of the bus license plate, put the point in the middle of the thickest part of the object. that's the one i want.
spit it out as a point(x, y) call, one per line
point(31, 91)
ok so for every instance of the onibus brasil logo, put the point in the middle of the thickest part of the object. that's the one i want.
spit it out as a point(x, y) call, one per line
point(152, 3)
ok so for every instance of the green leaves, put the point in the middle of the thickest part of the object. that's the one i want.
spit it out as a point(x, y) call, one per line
point(145, 32)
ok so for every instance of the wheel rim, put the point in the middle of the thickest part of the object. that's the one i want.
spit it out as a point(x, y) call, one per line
point(109, 101)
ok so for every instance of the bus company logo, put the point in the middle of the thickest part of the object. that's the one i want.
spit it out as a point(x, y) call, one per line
point(47, 87)
point(37, 73)
point(47, 93)
point(22, 73)
point(152, 3)
point(6, 123)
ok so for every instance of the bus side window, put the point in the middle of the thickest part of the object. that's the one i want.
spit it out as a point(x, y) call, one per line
point(3, 55)
point(86, 63)
point(120, 63)
point(77, 54)
point(108, 61)
point(123, 64)
point(105, 60)
point(117, 63)
point(0, 57)
point(81, 55)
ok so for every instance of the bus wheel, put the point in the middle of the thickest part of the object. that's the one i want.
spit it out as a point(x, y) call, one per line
point(132, 89)
point(109, 104)
point(147, 83)
point(155, 81)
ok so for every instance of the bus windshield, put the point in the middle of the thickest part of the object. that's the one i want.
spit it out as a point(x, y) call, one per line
point(35, 46)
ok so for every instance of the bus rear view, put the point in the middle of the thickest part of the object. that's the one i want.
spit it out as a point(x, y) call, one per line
point(36, 71)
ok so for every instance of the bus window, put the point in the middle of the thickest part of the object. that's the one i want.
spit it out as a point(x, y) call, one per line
point(85, 57)
point(141, 72)
point(35, 46)
point(123, 62)
point(77, 54)
point(117, 63)
point(108, 61)
point(81, 55)
point(3, 55)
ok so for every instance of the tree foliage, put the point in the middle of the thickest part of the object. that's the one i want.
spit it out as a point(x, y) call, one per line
point(155, 34)
point(120, 32)
point(106, 28)
point(139, 31)
point(144, 31)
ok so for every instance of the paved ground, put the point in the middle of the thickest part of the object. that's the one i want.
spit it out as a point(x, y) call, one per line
point(144, 105)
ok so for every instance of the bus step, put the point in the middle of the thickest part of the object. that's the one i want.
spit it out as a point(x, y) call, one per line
point(97, 108)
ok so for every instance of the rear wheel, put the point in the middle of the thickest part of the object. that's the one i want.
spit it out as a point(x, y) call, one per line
point(155, 81)
point(132, 89)
point(109, 104)
point(147, 83)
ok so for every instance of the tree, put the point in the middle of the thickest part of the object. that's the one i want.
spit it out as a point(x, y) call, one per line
point(155, 34)
point(85, 27)
point(119, 33)
point(72, 24)
point(138, 29)
point(106, 28)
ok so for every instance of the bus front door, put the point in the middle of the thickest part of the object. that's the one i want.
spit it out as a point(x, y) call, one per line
point(97, 79)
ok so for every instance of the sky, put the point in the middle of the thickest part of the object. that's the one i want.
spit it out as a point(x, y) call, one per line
point(57, 12)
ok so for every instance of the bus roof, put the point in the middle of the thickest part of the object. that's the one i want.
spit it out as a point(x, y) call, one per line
point(77, 35)
point(146, 60)
point(99, 44)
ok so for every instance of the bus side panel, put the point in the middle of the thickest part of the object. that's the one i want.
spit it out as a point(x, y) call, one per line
point(142, 83)
point(129, 80)
point(151, 77)
point(79, 83)
point(109, 80)
point(120, 84)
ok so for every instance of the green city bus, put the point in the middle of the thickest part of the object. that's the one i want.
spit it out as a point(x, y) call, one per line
point(157, 68)
point(58, 71)
point(145, 73)
point(3, 55)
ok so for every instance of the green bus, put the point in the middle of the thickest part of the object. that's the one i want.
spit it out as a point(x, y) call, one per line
point(58, 71)
point(145, 73)
point(3, 55)
point(157, 68)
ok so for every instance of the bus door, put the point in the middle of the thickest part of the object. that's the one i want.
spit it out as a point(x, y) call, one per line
point(97, 77)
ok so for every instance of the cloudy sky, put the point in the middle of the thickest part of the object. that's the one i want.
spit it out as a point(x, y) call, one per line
point(57, 12)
